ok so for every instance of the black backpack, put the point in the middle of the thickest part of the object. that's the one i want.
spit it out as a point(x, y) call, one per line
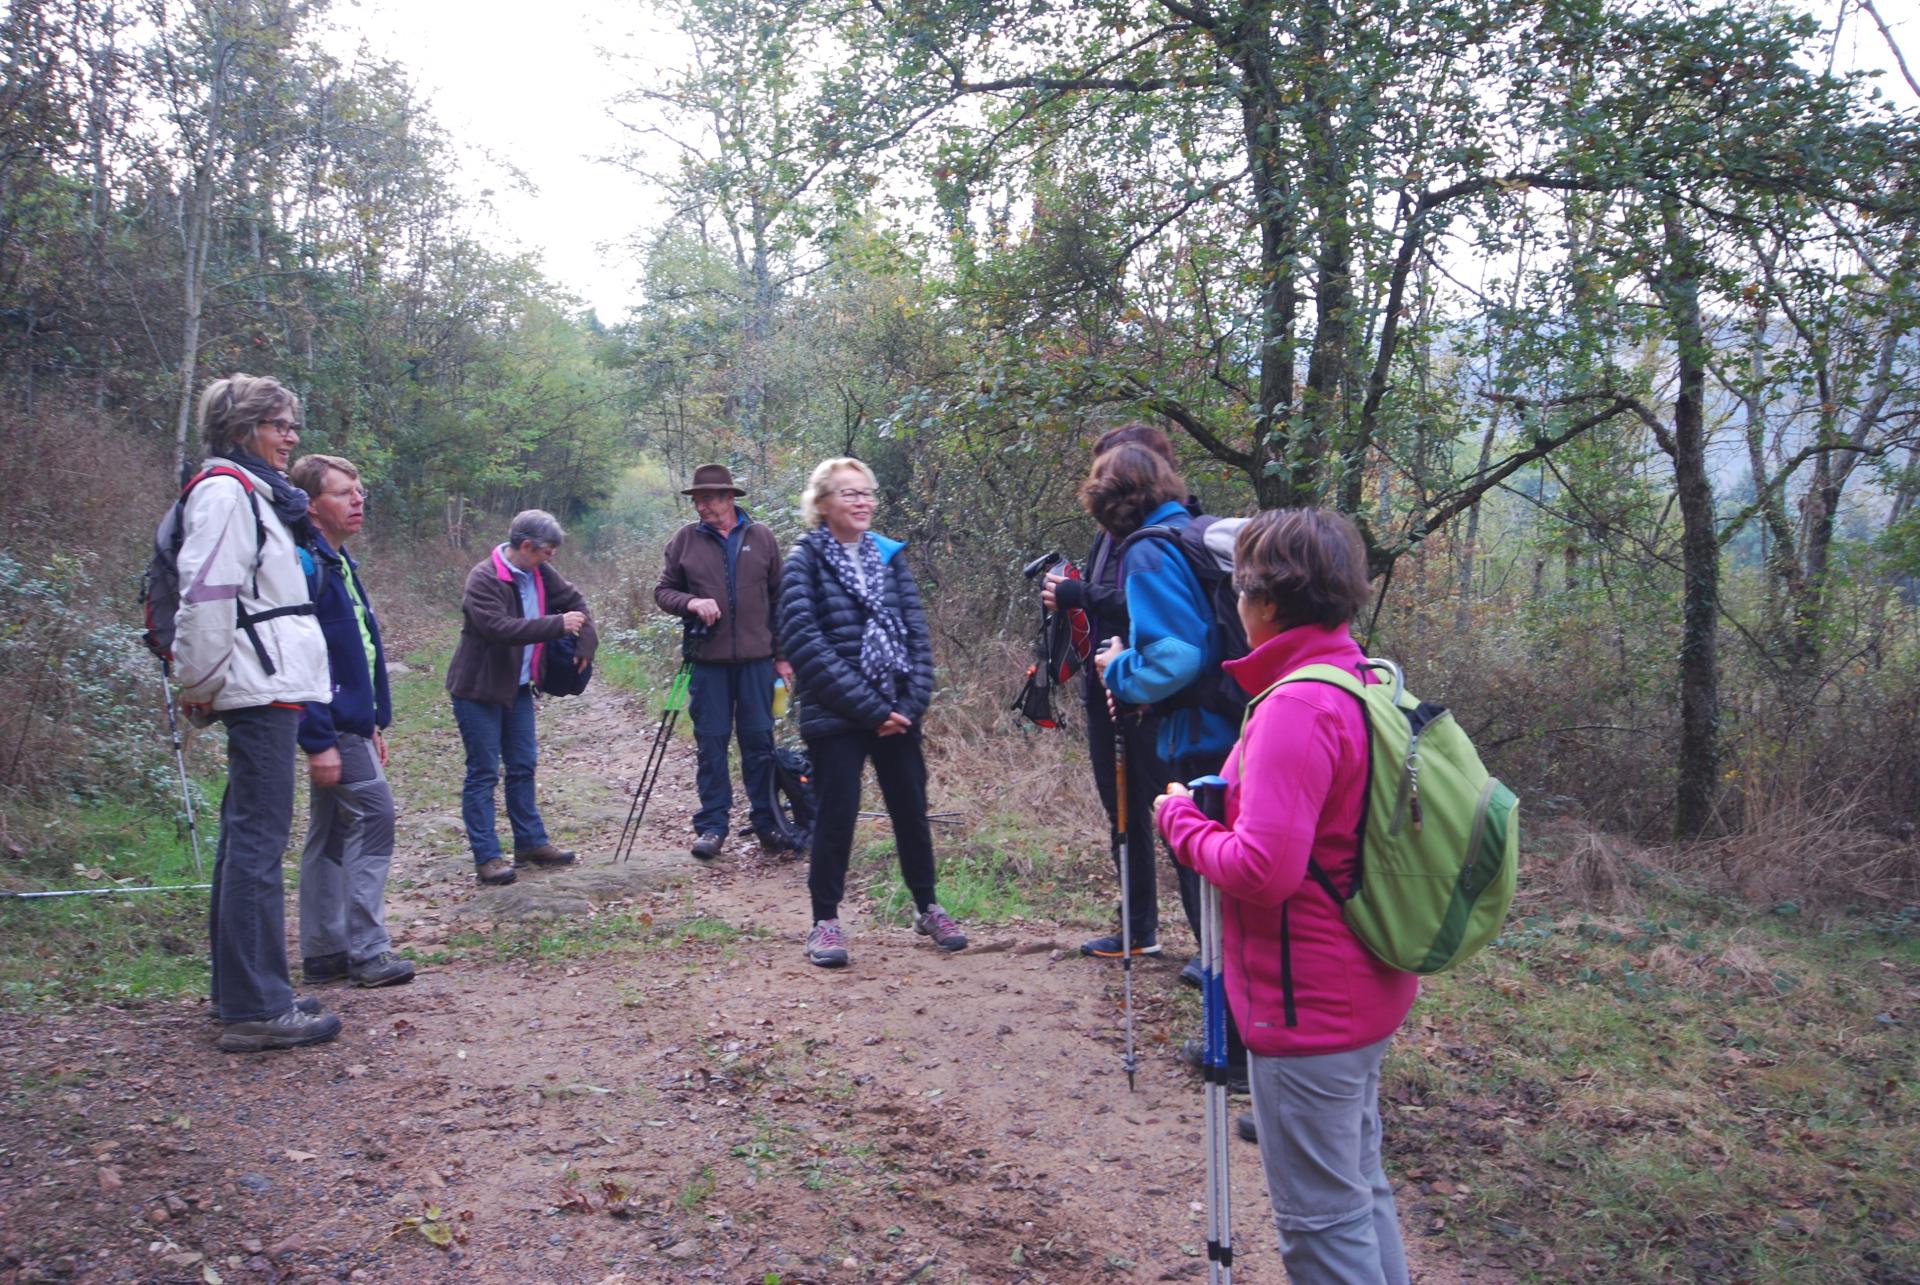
point(558, 673)
point(793, 807)
point(1206, 544)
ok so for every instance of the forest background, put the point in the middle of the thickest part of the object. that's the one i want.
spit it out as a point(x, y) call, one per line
point(1598, 316)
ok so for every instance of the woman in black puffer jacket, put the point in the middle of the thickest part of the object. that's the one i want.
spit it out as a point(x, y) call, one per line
point(852, 626)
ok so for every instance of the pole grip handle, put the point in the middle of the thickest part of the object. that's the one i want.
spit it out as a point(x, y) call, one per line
point(1210, 796)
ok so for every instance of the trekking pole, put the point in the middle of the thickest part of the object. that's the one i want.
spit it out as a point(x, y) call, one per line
point(1127, 1059)
point(656, 757)
point(102, 892)
point(180, 761)
point(1210, 793)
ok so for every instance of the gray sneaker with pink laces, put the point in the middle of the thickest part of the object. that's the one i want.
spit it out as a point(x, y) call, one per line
point(827, 944)
point(938, 924)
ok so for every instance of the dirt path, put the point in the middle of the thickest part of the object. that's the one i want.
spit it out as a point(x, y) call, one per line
point(702, 1106)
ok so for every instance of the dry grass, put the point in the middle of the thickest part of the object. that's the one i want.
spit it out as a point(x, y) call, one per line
point(985, 758)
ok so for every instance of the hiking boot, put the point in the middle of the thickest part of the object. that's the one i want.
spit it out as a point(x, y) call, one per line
point(1245, 1125)
point(1110, 947)
point(827, 944)
point(384, 969)
point(544, 855)
point(707, 846)
point(1194, 1054)
point(497, 872)
point(772, 845)
point(315, 969)
point(938, 924)
point(289, 1030)
point(1192, 975)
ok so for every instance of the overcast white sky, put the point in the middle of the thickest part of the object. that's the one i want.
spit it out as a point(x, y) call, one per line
point(524, 86)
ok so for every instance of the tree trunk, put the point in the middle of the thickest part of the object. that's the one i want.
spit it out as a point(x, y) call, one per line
point(1699, 766)
point(1279, 295)
point(197, 237)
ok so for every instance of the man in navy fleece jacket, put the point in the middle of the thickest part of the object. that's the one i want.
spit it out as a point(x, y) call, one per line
point(343, 869)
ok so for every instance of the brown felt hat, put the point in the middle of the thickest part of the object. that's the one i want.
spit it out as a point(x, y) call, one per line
point(712, 477)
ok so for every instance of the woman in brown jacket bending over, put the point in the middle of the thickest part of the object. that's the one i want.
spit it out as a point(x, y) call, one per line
point(514, 604)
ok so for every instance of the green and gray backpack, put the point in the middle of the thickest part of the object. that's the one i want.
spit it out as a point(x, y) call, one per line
point(1439, 841)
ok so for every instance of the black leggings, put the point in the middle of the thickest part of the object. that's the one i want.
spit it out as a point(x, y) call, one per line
point(1145, 777)
point(902, 771)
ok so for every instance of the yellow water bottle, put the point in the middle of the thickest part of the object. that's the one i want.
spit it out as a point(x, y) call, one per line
point(779, 698)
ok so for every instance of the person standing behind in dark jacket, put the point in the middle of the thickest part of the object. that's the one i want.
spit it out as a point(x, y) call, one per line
point(1171, 647)
point(514, 603)
point(724, 572)
point(852, 626)
point(343, 869)
point(1100, 596)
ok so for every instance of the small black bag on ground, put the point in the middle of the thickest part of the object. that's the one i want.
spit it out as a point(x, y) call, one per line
point(793, 808)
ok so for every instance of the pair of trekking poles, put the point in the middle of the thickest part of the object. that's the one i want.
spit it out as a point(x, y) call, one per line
point(1210, 793)
point(690, 636)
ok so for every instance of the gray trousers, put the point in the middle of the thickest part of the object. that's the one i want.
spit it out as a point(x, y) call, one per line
point(1319, 1121)
point(247, 909)
point(343, 869)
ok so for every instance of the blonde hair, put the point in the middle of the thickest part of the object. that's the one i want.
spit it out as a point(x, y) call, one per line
point(821, 482)
point(309, 472)
point(232, 408)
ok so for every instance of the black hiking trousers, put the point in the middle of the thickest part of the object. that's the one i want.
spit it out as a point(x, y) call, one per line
point(1146, 775)
point(902, 772)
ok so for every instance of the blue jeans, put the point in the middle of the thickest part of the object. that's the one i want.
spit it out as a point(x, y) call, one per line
point(493, 733)
point(722, 699)
point(247, 910)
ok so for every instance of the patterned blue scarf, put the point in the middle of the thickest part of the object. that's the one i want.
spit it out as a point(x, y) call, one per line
point(883, 644)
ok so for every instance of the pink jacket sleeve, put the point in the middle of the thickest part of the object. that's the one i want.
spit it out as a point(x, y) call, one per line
point(1290, 751)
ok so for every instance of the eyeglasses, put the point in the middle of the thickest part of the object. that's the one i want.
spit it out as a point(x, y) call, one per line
point(281, 425)
point(851, 496)
point(351, 493)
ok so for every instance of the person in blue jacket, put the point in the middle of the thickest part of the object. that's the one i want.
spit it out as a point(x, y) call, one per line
point(1172, 650)
point(852, 627)
point(350, 828)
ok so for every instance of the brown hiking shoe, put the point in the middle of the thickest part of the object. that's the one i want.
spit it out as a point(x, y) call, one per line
point(497, 872)
point(544, 855)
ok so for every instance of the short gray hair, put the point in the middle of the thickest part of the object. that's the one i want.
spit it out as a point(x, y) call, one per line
point(535, 526)
point(232, 408)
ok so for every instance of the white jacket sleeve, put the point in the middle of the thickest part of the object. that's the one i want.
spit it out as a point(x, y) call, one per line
point(216, 554)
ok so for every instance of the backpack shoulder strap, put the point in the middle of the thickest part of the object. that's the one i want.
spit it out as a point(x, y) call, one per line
point(1346, 681)
point(218, 470)
point(314, 566)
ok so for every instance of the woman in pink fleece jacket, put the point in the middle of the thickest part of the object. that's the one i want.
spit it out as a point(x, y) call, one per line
point(1315, 1007)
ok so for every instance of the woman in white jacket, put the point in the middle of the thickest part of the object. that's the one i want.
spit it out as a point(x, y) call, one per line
point(250, 654)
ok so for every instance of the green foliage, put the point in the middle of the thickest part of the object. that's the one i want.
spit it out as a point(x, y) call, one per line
point(114, 949)
point(1640, 1097)
point(84, 720)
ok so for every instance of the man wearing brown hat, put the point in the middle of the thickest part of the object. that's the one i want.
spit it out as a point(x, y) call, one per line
point(723, 572)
